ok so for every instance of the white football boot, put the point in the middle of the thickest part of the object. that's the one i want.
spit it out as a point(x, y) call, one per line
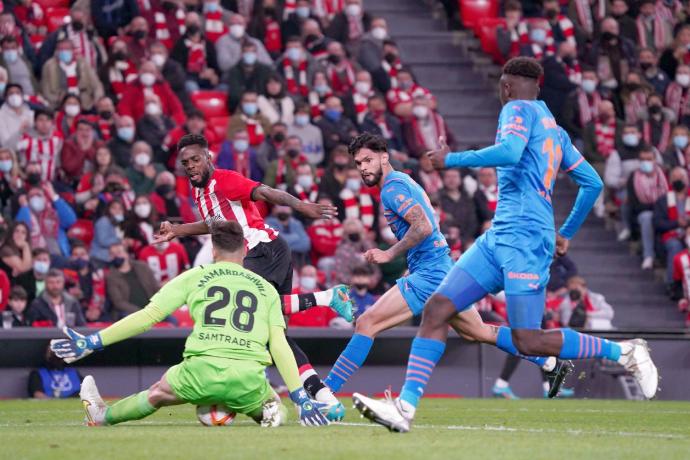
point(94, 406)
point(637, 360)
point(386, 412)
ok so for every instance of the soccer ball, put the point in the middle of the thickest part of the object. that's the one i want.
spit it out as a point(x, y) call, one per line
point(215, 415)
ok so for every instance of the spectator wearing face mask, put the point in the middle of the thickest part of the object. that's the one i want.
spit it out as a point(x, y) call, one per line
point(229, 46)
point(315, 42)
point(16, 117)
point(297, 68)
point(105, 123)
point(336, 128)
point(133, 102)
point(561, 27)
point(17, 305)
point(401, 99)
point(385, 75)
point(140, 224)
point(292, 231)
point(634, 95)
point(360, 290)
point(653, 31)
point(129, 283)
point(154, 129)
point(197, 56)
point(340, 70)
point(238, 155)
point(19, 69)
point(166, 260)
point(612, 55)
point(582, 105)
point(53, 304)
point(349, 26)
point(651, 72)
point(275, 104)
point(195, 124)
point(92, 184)
point(118, 71)
point(215, 18)
point(16, 259)
point(371, 46)
point(107, 231)
point(356, 102)
point(273, 145)
point(142, 171)
point(319, 93)
point(295, 20)
point(358, 200)
point(320, 315)
point(645, 186)
point(48, 217)
point(350, 251)
point(247, 75)
point(470, 210)
point(172, 72)
point(78, 150)
point(656, 123)
point(678, 53)
point(595, 311)
point(83, 37)
point(66, 73)
point(306, 186)
point(67, 115)
point(86, 283)
point(169, 203)
point(675, 154)
point(121, 144)
point(42, 145)
point(309, 134)
point(422, 130)
point(333, 180)
point(379, 121)
point(248, 118)
point(281, 172)
point(600, 134)
point(672, 217)
point(10, 177)
point(678, 94)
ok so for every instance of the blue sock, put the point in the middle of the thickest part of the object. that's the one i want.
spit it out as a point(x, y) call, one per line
point(582, 346)
point(424, 355)
point(349, 361)
point(504, 341)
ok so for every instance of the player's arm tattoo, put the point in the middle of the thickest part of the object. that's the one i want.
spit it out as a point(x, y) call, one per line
point(420, 228)
point(274, 196)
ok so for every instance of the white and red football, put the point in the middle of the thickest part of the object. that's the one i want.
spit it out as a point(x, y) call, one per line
point(215, 415)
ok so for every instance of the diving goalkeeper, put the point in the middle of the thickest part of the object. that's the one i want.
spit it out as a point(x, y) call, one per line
point(238, 320)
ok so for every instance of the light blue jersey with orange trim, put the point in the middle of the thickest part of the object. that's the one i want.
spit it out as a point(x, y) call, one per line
point(399, 194)
point(525, 188)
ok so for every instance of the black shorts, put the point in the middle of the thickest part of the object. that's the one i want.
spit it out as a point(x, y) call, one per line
point(273, 262)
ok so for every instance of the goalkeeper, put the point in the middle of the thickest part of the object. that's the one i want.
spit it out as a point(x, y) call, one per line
point(237, 321)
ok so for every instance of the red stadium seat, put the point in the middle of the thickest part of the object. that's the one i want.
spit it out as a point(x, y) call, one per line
point(211, 103)
point(53, 3)
point(56, 18)
point(82, 230)
point(487, 37)
point(219, 125)
point(471, 11)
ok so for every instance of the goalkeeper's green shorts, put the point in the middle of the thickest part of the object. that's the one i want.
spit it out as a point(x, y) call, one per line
point(241, 385)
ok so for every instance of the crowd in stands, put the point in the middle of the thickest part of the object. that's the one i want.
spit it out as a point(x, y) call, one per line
point(94, 96)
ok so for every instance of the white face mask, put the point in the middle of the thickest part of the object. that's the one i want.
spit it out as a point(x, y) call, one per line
point(158, 59)
point(420, 111)
point(683, 80)
point(72, 110)
point(147, 79)
point(589, 86)
point(15, 100)
point(237, 30)
point(142, 159)
point(308, 283)
point(353, 9)
point(37, 203)
point(301, 119)
point(153, 109)
point(363, 87)
point(631, 140)
point(353, 184)
point(379, 33)
point(143, 210)
point(305, 181)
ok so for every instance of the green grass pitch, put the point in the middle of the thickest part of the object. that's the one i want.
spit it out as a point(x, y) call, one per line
point(444, 429)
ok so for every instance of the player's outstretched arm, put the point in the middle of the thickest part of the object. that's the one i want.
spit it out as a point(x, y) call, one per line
point(78, 346)
point(169, 231)
point(590, 187)
point(310, 210)
point(420, 228)
point(506, 153)
point(284, 360)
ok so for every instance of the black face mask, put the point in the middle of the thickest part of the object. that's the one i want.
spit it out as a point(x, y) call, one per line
point(279, 137)
point(678, 185)
point(164, 189)
point(360, 287)
point(79, 264)
point(645, 65)
point(119, 55)
point(193, 30)
point(608, 37)
point(293, 153)
point(139, 34)
point(33, 179)
point(334, 59)
point(551, 14)
point(390, 57)
point(655, 110)
point(105, 114)
point(77, 26)
point(311, 38)
point(354, 237)
point(114, 187)
point(269, 11)
point(169, 6)
point(117, 262)
point(283, 216)
point(568, 60)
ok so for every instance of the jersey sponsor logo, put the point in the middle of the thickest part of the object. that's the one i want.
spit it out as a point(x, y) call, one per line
point(229, 339)
point(442, 243)
point(523, 276)
point(534, 286)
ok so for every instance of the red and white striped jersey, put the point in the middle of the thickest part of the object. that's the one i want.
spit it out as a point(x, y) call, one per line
point(46, 152)
point(228, 197)
point(167, 264)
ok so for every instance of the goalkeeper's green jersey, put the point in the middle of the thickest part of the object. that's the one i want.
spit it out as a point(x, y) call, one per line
point(232, 308)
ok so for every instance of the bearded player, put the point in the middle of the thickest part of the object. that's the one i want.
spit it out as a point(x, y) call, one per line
point(238, 328)
point(516, 253)
point(223, 195)
point(410, 216)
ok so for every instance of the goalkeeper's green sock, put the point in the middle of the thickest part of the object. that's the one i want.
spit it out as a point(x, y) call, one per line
point(134, 407)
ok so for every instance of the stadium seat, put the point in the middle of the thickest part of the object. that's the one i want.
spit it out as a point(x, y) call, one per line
point(53, 4)
point(82, 230)
point(219, 125)
point(211, 103)
point(487, 37)
point(471, 11)
point(56, 18)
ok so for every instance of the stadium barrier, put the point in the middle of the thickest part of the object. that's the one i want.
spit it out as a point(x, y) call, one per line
point(466, 370)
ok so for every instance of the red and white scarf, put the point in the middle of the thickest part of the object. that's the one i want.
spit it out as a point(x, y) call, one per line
point(574, 72)
point(672, 213)
point(539, 50)
point(296, 86)
point(649, 188)
point(341, 81)
point(43, 226)
point(289, 7)
point(214, 25)
point(328, 8)
point(163, 31)
point(663, 139)
point(361, 105)
point(606, 137)
point(359, 207)
point(439, 130)
point(317, 103)
point(307, 197)
point(567, 28)
point(71, 76)
point(241, 161)
point(121, 73)
point(105, 127)
point(196, 56)
point(45, 152)
point(491, 194)
point(588, 106)
point(585, 18)
point(82, 46)
point(659, 33)
point(355, 27)
point(254, 130)
point(392, 71)
point(678, 100)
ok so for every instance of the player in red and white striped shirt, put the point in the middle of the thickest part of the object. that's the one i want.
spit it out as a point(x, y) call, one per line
point(223, 195)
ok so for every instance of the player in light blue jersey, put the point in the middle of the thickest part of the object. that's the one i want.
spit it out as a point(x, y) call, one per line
point(411, 218)
point(515, 254)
